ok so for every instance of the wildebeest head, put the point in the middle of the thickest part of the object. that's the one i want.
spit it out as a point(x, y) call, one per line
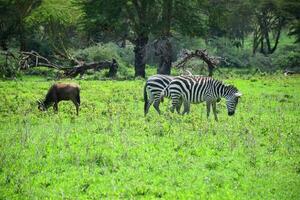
point(41, 105)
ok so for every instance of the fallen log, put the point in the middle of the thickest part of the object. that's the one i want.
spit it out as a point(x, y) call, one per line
point(97, 66)
point(28, 60)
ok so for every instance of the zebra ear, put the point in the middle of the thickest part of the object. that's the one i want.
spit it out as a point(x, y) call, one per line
point(238, 94)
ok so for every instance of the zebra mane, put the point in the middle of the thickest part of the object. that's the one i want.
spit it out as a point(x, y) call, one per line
point(232, 88)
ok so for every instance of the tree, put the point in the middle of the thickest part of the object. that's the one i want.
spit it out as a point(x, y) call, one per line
point(231, 19)
point(7, 24)
point(13, 15)
point(56, 24)
point(138, 16)
point(188, 20)
point(291, 9)
point(269, 21)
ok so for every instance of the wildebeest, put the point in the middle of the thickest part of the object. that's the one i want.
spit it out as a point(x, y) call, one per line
point(61, 92)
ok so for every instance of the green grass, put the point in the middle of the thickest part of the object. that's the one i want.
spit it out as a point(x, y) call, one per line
point(112, 151)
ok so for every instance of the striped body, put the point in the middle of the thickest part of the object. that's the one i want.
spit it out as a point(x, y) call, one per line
point(196, 89)
point(154, 86)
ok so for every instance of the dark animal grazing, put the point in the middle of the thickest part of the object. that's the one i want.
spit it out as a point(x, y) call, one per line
point(61, 92)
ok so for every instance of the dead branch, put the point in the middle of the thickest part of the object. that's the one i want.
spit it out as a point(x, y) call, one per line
point(27, 60)
point(33, 59)
point(202, 54)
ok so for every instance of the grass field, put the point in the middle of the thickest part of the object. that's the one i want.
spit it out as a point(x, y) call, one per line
point(112, 151)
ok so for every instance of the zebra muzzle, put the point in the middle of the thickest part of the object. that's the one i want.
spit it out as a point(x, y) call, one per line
point(230, 113)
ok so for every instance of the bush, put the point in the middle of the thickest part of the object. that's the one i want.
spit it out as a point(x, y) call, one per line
point(101, 52)
point(261, 62)
point(9, 67)
point(234, 57)
point(287, 58)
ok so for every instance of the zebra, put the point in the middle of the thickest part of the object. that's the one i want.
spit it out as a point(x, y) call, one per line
point(154, 86)
point(196, 89)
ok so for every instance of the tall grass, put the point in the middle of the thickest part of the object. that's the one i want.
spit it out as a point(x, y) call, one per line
point(112, 151)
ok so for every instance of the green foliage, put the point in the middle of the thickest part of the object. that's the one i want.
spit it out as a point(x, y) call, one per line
point(111, 151)
point(9, 67)
point(189, 18)
point(229, 18)
point(108, 51)
point(12, 20)
point(288, 58)
point(291, 7)
point(55, 24)
point(287, 55)
point(98, 52)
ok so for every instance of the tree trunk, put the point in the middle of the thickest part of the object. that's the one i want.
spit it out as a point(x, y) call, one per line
point(164, 51)
point(22, 38)
point(276, 42)
point(210, 70)
point(3, 45)
point(140, 55)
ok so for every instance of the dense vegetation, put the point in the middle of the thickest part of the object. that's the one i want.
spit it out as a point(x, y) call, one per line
point(248, 33)
point(112, 151)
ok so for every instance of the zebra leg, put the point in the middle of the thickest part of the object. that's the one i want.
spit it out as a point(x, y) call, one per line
point(173, 106)
point(156, 105)
point(186, 105)
point(175, 102)
point(149, 104)
point(214, 107)
point(178, 106)
point(208, 108)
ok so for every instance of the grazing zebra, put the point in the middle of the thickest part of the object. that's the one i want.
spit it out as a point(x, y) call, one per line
point(196, 89)
point(154, 86)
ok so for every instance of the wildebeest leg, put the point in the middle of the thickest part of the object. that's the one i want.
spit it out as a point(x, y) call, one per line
point(55, 106)
point(77, 109)
point(208, 108)
point(156, 105)
point(76, 105)
point(214, 107)
point(186, 105)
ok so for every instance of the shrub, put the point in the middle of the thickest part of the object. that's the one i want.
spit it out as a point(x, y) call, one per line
point(101, 52)
point(8, 66)
point(287, 58)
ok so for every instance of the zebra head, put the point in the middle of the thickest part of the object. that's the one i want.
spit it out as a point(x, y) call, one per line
point(232, 98)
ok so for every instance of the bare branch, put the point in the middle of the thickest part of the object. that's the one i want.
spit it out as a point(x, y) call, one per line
point(202, 54)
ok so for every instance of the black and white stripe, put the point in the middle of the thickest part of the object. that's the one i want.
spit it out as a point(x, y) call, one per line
point(154, 86)
point(196, 89)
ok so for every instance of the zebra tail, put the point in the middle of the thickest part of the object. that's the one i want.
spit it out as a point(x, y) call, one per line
point(162, 94)
point(145, 98)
